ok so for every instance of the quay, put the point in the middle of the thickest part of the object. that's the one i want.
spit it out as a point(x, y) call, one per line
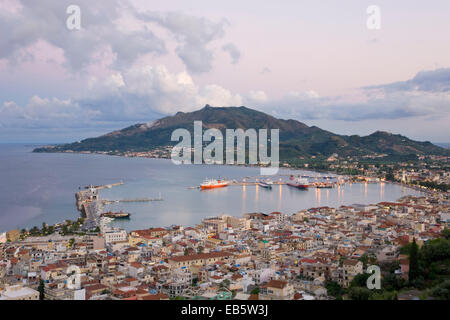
point(89, 204)
point(132, 200)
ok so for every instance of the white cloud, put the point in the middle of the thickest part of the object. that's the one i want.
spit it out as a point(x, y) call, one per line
point(45, 20)
point(193, 34)
point(257, 97)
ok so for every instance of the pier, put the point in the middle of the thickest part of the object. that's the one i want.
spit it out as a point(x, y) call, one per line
point(132, 200)
point(89, 204)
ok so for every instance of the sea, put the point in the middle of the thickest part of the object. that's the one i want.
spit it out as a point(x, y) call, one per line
point(40, 187)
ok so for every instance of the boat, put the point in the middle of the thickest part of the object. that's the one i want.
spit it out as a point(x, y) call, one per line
point(324, 185)
point(116, 215)
point(265, 184)
point(213, 184)
point(299, 183)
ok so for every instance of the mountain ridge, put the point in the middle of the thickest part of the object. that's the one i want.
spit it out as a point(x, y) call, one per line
point(296, 138)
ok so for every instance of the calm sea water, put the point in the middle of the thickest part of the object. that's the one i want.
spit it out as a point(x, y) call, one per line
point(37, 188)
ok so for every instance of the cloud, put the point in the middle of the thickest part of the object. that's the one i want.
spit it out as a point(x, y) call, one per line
point(46, 20)
point(429, 81)
point(233, 51)
point(193, 34)
point(141, 93)
point(43, 113)
point(113, 25)
point(145, 92)
point(257, 97)
point(426, 95)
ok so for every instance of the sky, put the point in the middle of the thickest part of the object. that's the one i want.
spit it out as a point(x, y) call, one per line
point(133, 61)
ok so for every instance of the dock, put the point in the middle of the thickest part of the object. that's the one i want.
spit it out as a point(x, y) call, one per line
point(132, 200)
point(89, 204)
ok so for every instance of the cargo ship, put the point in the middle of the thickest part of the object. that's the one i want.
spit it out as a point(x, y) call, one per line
point(299, 183)
point(213, 184)
point(117, 215)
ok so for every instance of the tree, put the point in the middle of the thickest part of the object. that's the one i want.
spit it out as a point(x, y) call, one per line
point(446, 234)
point(359, 293)
point(334, 289)
point(442, 291)
point(41, 289)
point(364, 259)
point(186, 252)
point(255, 291)
point(390, 176)
point(34, 231)
point(65, 230)
point(384, 295)
point(200, 249)
point(413, 262)
point(360, 280)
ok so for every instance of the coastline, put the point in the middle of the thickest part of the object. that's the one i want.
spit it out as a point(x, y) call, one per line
point(284, 168)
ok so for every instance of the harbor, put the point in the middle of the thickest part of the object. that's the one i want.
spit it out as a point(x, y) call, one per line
point(90, 205)
point(166, 195)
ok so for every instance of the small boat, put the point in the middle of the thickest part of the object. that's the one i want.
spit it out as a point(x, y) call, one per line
point(117, 215)
point(265, 184)
point(324, 185)
point(213, 184)
point(299, 183)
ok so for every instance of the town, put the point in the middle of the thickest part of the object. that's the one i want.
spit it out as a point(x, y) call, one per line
point(316, 254)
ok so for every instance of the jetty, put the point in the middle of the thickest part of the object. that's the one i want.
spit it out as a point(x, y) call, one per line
point(90, 205)
point(132, 200)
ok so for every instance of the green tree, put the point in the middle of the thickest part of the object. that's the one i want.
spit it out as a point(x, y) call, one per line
point(446, 234)
point(255, 291)
point(442, 291)
point(359, 293)
point(384, 295)
point(413, 262)
point(334, 289)
point(34, 231)
point(364, 259)
point(390, 176)
point(65, 230)
point(360, 280)
point(41, 289)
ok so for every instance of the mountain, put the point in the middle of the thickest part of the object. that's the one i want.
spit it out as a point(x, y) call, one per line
point(296, 138)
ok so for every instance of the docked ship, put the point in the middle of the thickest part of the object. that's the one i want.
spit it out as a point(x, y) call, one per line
point(323, 185)
point(299, 183)
point(265, 184)
point(213, 183)
point(116, 215)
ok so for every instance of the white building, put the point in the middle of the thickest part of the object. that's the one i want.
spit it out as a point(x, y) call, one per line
point(115, 235)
